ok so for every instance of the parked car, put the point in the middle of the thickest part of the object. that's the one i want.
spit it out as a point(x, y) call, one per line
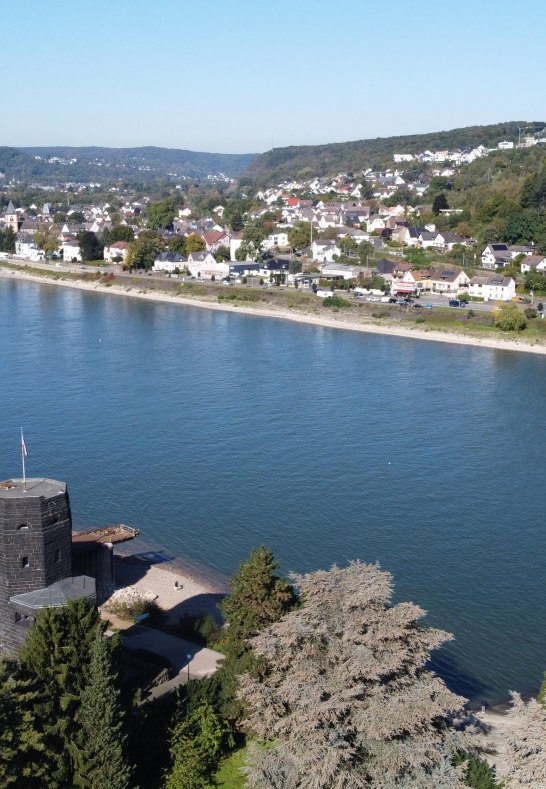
point(392, 300)
point(428, 306)
point(454, 303)
point(417, 306)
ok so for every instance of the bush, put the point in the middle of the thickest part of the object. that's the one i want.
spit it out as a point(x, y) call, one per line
point(507, 317)
point(129, 610)
point(334, 301)
point(530, 312)
point(200, 629)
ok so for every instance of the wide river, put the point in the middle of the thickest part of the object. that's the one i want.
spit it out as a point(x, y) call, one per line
point(215, 432)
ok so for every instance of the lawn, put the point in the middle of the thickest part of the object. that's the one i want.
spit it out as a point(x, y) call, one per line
point(229, 775)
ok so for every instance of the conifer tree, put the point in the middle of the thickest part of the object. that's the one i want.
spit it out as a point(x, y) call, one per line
point(56, 657)
point(24, 759)
point(526, 743)
point(347, 701)
point(258, 598)
point(100, 755)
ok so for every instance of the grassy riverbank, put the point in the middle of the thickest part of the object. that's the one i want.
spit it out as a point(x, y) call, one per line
point(443, 324)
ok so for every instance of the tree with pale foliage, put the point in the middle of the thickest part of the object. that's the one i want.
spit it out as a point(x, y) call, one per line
point(347, 701)
point(526, 744)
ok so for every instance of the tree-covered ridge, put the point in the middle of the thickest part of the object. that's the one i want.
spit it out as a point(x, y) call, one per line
point(306, 161)
point(97, 164)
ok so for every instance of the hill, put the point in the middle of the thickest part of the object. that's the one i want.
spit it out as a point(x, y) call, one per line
point(306, 161)
point(61, 164)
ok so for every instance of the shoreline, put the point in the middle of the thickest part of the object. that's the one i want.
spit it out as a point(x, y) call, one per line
point(341, 323)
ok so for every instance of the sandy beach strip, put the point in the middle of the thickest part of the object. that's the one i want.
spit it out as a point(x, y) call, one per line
point(338, 321)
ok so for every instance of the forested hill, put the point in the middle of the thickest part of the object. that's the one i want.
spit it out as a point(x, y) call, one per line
point(306, 161)
point(61, 164)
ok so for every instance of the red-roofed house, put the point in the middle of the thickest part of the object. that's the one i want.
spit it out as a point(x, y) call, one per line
point(120, 249)
point(215, 239)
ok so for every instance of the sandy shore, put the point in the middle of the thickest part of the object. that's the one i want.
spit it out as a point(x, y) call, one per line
point(333, 321)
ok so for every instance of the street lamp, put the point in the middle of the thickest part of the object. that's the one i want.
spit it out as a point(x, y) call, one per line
point(188, 657)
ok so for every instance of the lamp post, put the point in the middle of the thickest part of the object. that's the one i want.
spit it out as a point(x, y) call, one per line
point(188, 657)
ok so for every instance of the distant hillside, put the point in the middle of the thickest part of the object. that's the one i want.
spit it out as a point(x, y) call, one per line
point(61, 164)
point(306, 161)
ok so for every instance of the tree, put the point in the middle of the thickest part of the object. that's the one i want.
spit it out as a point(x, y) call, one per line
point(222, 253)
point(7, 240)
point(507, 317)
point(439, 203)
point(161, 215)
point(144, 250)
point(258, 598)
point(47, 239)
point(100, 754)
point(177, 244)
point(56, 656)
point(23, 747)
point(526, 743)
point(346, 700)
point(195, 243)
point(121, 233)
point(76, 217)
point(365, 252)
point(90, 246)
point(299, 236)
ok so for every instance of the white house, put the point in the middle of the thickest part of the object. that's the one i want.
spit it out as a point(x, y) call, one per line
point(234, 243)
point(495, 255)
point(275, 240)
point(493, 288)
point(204, 265)
point(120, 249)
point(448, 281)
point(324, 251)
point(71, 250)
point(26, 248)
point(533, 263)
point(337, 271)
point(169, 262)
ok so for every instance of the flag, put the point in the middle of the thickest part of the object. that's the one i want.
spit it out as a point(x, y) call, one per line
point(23, 445)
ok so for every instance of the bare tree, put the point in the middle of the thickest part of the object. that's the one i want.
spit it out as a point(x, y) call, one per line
point(347, 701)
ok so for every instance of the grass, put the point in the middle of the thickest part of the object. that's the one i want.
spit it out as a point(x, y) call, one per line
point(229, 774)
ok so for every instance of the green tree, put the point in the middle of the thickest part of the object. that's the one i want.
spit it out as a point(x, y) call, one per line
point(76, 217)
point(121, 233)
point(507, 317)
point(299, 236)
point(222, 253)
point(258, 598)
point(100, 753)
point(195, 243)
point(144, 250)
point(57, 656)
point(7, 240)
point(365, 252)
point(160, 215)
point(346, 697)
point(47, 239)
point(90, 246)
point(24, 759)
point(177, 244)
point(439, 203)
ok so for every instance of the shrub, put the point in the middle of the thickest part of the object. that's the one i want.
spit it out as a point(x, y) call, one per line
point(334, 301)
point(530, 312)
point(200, 629)
point(137, 607)
point(507, 317)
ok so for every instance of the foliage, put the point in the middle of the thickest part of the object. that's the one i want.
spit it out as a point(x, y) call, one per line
point(47, 239)
point(177, 244)
point(23, 744)
point(346, 697)
point(222, 253)
point(90, 246)
point(7, 240)
point(160, 215)
point(144, 250)
point(439, 203)
point(526, 743)
point(56, 656)
point(530, 313)
point(507, 317)
point(195, 243)
point(299, 236)
point(533, 191)
point(137, 607)
point(335, 301)
point(100, 752)
point(258, 598)
point(478, 774)
point(119, 233)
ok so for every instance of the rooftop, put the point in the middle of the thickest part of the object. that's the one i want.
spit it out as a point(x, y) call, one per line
point(57, 594)
point(34, 488)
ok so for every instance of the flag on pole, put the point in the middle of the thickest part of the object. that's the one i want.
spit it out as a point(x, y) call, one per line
point(23, 445)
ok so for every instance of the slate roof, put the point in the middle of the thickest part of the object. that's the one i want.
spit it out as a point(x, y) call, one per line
point(58, 594)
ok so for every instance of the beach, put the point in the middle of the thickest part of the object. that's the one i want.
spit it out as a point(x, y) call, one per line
point(331, 321)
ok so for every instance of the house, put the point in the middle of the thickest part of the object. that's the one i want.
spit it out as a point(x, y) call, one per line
point(446, 239)
point(375, 224)
point(25, 247)
point(71, 249)
point(533, 263)
point(339, 271)
point(496, 255)
point(324, 251)
point(519, 249)
point(120, 249)
point(275, 241)
point(214, 239)
point(234, 243)
point(169, 262)
point(448, 280)
point(203, 265)
point(493, 288)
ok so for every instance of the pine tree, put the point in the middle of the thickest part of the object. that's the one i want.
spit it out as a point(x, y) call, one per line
point(258, 598)
point(57, 656)
point(24, 761)
point(526, 743)
point(100, 756)
point(347, 701)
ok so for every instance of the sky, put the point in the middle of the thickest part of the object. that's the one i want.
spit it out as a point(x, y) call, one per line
point(235, 76)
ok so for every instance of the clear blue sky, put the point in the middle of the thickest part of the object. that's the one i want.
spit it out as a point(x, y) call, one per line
point(241, 76)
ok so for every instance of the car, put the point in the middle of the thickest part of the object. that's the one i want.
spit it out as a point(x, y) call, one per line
point(372, 298)
point(393, 300)
point(408, 300)
point(454, 303)
point(428, 306)
point(418, 307)
point(463, 303)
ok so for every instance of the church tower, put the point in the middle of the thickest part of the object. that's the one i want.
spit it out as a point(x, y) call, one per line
point(11, 218)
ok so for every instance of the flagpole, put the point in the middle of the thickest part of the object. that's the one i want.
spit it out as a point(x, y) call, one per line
point(23, 459)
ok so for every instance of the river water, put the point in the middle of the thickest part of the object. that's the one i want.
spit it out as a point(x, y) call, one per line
point(216, 432)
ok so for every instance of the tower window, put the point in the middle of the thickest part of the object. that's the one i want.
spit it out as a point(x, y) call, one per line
point(57, 555)
point(24, 561)
point(23, 527)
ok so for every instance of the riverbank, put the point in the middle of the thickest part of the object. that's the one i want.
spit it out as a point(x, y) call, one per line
point(294, 313)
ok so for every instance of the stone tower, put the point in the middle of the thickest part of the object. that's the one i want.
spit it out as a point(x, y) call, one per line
point(35, 555)
point(11, 218)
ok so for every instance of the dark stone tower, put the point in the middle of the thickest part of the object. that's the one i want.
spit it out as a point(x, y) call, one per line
point(35, 555)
